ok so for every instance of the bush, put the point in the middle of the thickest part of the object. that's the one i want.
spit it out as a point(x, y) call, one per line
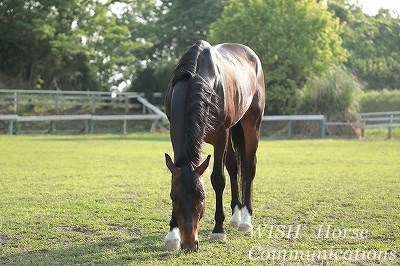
point(380, 101)
point(335, 95)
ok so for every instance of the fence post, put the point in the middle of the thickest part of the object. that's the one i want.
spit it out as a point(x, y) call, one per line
point(91, 122)
point(154, 126)
point(15, 102)
point(124, 127)
point(18, 127)
point(323, 131)
point(363, 124)
point(11, 127)
point(390, 127)
point(290, 128)
point(57, 105)
point(93, 103)
point(126, 104)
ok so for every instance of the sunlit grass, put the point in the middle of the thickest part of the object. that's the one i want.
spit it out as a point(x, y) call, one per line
point(105, 200)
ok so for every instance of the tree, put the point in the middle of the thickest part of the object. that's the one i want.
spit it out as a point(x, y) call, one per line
point(174, 26)
point(372, 42)
point(180, 23)
point(71, 44)
point(295, 40)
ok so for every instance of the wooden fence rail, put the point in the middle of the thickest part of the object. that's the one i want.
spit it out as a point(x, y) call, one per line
point(17, 99)
point(12, 101)
point(291, 118)
point(60, 103)
point(387, 120)
point(89, 120)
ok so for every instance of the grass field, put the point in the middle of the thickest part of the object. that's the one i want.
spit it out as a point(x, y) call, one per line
point(104, 200)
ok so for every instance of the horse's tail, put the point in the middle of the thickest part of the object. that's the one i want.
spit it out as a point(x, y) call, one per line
point(238, 143)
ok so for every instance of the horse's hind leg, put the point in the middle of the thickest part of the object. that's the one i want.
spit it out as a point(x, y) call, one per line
point(232, 167)
point(251, 133)
point(218, 184)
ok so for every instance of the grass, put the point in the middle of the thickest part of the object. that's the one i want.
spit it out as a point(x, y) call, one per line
point(104, 200)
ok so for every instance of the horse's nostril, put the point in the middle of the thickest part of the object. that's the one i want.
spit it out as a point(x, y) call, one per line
point(181, 246)
point(196, 245)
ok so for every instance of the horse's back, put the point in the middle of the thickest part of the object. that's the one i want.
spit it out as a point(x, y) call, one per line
point(242, 81)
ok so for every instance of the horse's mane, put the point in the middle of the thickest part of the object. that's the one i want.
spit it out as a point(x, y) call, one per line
point(200, 104)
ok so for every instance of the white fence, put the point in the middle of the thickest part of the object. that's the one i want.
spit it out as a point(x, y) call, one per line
point(15, 102)
point(387, 120)
point(88, 119)
point(291, 118)
point(92, 101)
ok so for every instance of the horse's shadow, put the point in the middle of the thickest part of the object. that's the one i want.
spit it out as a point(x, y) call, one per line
point(103, 252)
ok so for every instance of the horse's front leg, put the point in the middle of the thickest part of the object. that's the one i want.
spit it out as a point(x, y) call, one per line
point(218, 184)
point(173, 237)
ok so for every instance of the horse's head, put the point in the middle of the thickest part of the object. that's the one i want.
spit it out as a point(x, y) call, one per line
point(187, 194)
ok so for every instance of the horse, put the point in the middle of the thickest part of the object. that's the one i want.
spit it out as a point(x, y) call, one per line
point(216, 95)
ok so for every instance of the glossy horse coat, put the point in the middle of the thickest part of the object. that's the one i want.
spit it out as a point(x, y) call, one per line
point(216, 95)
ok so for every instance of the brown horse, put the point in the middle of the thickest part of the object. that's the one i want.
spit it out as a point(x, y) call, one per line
point(216, 95)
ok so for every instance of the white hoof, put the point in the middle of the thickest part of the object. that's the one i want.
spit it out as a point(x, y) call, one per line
point(218, 236)
point(245, 224)
point(173, 239)
point(245, 227)
point(236, 217)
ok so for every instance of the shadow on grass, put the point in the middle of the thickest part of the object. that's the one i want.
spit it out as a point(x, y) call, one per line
point(138, 137)
point(104, 252)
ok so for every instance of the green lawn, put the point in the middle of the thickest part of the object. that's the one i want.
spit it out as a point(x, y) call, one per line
point(104, 200)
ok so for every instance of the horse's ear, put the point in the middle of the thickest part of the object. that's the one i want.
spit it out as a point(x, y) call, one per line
point(171, 166)
point(202, 167)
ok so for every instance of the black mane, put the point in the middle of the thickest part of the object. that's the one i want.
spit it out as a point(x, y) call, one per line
point(186, 67)
point(192, 184)
point(200, 104)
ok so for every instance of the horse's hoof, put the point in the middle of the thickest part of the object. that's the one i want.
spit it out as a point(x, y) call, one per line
point(245, 227)
point(234, 223)
point(173, 239)
point(172, 244)
point(245, 224)
point(218, 236)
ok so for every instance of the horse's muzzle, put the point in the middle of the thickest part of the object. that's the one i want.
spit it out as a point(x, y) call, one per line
point(191, 248)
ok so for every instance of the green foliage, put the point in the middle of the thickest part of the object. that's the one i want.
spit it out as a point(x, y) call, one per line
point(294, 39)
point(72, 44)
point(175, 26)
point(373, 44)
point(104, 200)
point(180, 23)
point(380, 101)
point(153, 79)
point(99, 44)
point(335, 95)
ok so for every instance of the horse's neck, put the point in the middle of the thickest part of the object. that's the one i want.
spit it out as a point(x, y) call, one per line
point(183, 154)
point(177, 114)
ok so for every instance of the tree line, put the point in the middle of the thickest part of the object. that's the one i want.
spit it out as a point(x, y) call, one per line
point(134, 44)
